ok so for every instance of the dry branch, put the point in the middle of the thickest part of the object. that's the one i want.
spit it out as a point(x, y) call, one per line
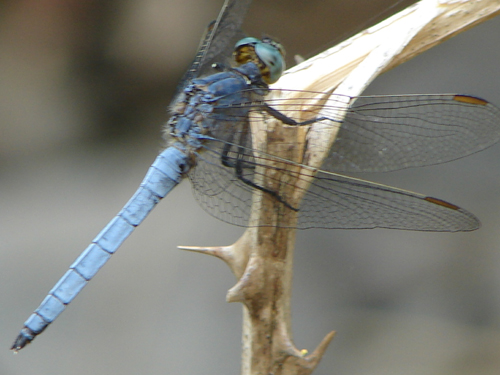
point(262, 258)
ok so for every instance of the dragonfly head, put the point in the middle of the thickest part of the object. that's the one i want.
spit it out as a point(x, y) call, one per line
point(267, 54)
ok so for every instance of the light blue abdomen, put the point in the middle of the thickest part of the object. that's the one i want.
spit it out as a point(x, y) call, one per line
point(163, 175)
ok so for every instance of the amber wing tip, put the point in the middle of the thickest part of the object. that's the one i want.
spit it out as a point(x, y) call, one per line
point(469, 99)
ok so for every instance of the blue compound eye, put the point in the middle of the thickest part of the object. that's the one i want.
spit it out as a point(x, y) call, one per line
point(272, 57)
point(269, 53)
point(248, 40)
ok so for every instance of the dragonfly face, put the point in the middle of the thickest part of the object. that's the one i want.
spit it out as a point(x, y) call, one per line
point(267, 54)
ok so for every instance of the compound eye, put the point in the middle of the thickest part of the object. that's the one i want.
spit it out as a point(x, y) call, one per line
point(273, 58)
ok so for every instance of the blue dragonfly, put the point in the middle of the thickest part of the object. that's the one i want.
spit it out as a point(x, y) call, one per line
point(210, 141)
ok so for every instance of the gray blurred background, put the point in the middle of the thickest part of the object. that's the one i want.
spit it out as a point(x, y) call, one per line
point(84, 88)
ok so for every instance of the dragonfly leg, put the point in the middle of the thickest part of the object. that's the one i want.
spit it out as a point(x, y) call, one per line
point(239, 174)
point(288, 120)
point(239, 165)
point(225, 159)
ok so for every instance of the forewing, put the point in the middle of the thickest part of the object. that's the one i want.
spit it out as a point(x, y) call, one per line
point(395, 132)
point(218, 41)
point(387, 133)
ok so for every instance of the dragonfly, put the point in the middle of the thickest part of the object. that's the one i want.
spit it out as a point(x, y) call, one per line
point(211, 140)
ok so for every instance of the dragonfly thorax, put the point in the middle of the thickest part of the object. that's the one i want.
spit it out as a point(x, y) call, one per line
point(214, 102)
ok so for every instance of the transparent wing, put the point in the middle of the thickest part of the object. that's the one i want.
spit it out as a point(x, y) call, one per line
point(227, 30)
point(395, 132)
point(218, 41)
point(218, 189)
point(333, 201)
point(341, 202)
point(387, 133)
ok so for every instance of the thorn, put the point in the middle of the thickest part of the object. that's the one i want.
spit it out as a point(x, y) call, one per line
point(222, 252)
point(321, 348)
point(235, 295)
point(250, 281)
point(236, 260)
point(303, 364)
point(217, 251)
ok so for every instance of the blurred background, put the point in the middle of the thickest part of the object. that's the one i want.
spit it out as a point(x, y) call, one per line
point(84, 90)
